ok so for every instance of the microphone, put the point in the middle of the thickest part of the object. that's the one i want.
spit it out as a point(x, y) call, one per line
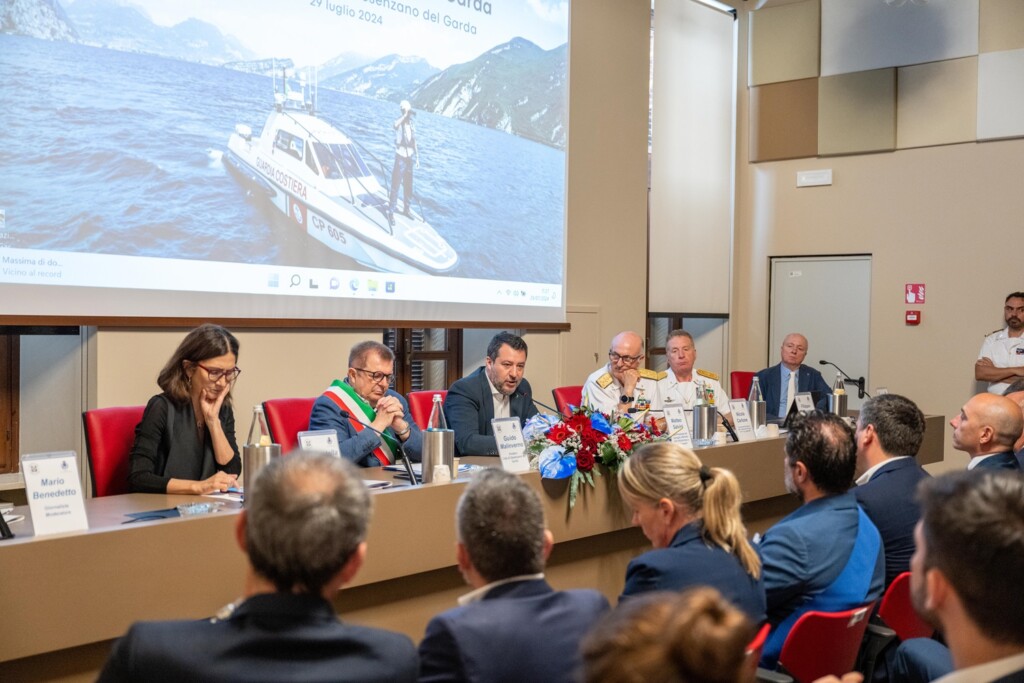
point(5, 531)
point(556, 411)
point(859, 381)
point(413, 481)
point(728, 428)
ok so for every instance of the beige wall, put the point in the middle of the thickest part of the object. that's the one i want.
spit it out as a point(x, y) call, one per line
point(949, 217)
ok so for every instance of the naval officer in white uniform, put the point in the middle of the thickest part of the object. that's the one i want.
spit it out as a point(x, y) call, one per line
point(680, 385)
point(622, 385)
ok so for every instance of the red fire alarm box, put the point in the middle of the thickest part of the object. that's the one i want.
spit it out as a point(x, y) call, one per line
point(913, 317)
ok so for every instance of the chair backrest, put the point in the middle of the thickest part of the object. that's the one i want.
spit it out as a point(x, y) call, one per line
point(286, 417)
point(109, 436)
point(897, 611)
point(824, 643)
point(754, 650)
point(567, 396)
point(421, 403)
point(739, 383)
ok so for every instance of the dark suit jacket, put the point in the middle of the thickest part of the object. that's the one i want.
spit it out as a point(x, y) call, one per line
point(888, 499)
point(270, 637)
point(521, 631)
point(359, 446)
point(687, 562)
point(469, 409)
point(807, 379)
point(1000, 461)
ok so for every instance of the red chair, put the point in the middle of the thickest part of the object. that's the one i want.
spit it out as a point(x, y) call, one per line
point(566, 398)
point(739, 383)
point(286, 417)
point(824, 643)
point(897, 611)
point(754, 650)
point(421, 403)
point(109, 436)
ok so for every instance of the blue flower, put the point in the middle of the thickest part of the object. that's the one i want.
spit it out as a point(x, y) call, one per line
point(600, 423)
point(537, 425)
point(555, 463)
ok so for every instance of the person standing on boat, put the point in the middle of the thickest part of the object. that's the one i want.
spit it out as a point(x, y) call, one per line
point(406, 154)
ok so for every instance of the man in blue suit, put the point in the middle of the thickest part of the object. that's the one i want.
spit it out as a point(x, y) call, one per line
point(987, 428)
point(827, 555)
point(1015, 392)
point(495, 390)
point(513, 626)
point(779, 389)
point(303, 532)
point(890, 429)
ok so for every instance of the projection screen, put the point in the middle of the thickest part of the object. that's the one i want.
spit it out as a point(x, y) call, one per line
point(284, 159)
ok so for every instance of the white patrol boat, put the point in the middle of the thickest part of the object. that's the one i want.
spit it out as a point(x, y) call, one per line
point(316, 175)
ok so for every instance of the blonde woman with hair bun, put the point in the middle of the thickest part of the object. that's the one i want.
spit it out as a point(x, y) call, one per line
point(691, 514)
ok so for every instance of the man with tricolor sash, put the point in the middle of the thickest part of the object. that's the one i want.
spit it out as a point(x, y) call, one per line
point(365, 395)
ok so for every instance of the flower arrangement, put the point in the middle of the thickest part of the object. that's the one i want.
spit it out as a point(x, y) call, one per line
point(576, 445)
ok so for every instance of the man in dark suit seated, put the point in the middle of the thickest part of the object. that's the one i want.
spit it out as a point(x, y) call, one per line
point(986, 429)
point(965, 578)
point(512, 627)
point(890, 429)
point(1015, 392)
point(303, 531)
point(498, 389)
point(827, 555)
point(779, 388)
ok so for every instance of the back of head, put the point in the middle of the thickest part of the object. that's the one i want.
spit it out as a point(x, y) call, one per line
point(204, 342)
point(514, 341)
point(690, 637)
point(500, 521)
point(667, 470)
point(898, 422)
point(973, 527)
point(1006, 420)
point(306, 515)
point(824, 443)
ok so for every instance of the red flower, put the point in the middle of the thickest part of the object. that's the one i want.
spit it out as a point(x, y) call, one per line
point(577, 422)
point(559, 433)
point(585, 459)
point(624, 443)
point(589, 435)
point(655, 430)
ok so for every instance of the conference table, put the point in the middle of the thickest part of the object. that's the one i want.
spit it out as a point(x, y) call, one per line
point(65, 597)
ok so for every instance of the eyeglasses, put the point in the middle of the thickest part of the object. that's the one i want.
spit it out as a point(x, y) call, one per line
point(377, 376)
point(216, 373)
point(628, 360)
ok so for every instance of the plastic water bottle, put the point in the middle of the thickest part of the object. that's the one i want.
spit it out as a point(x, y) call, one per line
point(259, 433)
point(437, 420)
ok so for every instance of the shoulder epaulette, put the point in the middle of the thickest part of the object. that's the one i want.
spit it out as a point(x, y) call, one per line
point(994, 331)
point(652, 374)
point(708, 374)
point(605, 380)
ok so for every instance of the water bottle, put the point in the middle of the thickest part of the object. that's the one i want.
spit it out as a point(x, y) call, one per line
point(438, 446)
point(837, 399)
point(437, 420)
point(756, 405)
point(259, 448)
point(259, 433)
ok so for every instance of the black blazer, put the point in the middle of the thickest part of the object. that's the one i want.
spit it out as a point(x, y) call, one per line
point(469, 409)
point(1000, 461)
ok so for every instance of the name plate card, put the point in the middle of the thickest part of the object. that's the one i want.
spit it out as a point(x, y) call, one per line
point(508, 434)
point(54, 492)
point(741, 421)
point(677, 425)
point(320, 441)
point(804, 402)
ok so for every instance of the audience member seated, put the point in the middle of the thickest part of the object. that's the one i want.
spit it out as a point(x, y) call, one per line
point(186, 440)
point(966, 576)
point(986, 429)
point(691, 513)
point(890, 429)
point(365, 395)
point(622, 385)
point(690, 637)
point(512, 626)
point(827, 555)
point(497, 389)
point(1015, 392)
point(303, 532)
point(781, 383)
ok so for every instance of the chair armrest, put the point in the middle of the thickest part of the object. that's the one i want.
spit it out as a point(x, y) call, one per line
point(877, 639)
point(773, 676)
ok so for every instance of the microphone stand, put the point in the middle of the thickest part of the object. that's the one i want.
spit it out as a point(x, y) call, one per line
point(547, 407)
point(413, 481)
point(859, 381)
point(728, 428)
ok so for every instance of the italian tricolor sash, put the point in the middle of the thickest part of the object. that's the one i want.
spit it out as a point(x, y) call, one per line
point(346, 398)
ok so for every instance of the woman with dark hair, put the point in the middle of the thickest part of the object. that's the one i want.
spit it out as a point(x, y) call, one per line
point(691, 513)
point(186, 440)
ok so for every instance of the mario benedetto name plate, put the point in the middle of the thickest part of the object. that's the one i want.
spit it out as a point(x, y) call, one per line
point(54, 492)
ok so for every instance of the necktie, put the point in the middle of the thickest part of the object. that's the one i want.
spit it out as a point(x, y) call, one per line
point(790, 391)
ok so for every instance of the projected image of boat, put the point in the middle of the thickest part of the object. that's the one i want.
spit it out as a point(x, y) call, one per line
point(318, 176)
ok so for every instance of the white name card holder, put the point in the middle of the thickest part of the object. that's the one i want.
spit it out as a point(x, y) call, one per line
point(804, 402)
point(741, 421)
point(677, 425)
point(54, 492)
point(320, 441)
point(508, 434)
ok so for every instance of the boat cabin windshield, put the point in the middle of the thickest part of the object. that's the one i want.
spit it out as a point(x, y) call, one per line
point(340, 160)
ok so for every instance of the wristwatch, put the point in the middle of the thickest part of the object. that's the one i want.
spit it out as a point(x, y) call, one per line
point(625, 399)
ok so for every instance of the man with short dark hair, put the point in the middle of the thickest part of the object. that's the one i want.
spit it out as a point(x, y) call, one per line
point(498, 389)
point(986, 429)
point(366, 396)
point(303, 530)
point(513, 626)
point(889, 432)
point(827, 555)
point(1001, 359)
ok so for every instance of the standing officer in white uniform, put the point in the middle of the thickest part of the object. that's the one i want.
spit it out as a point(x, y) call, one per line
point(679, 386)
point(622, 385)
point(1001, 359)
